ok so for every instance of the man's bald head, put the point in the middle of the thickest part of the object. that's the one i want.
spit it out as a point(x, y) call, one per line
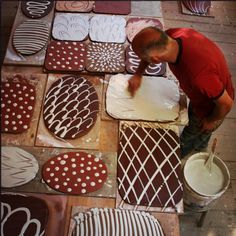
point(148, 39)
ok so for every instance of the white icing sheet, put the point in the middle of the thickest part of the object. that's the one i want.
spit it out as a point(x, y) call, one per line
point(8, 213)
point(134, 26)
point(18, 167)
point(106, 222)
point(105, 28)
point(70, 26)
point(156, 100)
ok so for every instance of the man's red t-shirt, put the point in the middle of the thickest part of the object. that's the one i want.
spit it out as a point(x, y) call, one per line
point(201, 70)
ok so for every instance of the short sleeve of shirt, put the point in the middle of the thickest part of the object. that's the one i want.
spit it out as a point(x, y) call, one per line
point(209, 85)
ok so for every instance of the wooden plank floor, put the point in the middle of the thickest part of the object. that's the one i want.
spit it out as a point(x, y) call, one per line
point(221, 220)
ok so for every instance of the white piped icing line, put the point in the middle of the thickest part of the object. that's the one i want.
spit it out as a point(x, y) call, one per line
point(132, 63)
point(37, 9)
point(104, 28)
point(70, 26)
point(30, 36)
point(70, 107)
point(199, 7)
point(105, 57)
point(151, 141)
point(134, 25)
point(18, 167)
point(116, 222)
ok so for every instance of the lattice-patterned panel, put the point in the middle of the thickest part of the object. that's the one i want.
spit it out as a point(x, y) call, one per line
point(149, 167)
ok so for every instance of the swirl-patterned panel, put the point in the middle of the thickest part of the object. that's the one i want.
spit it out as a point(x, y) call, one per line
point(70, 26)
point(37, 8)
point(75, 6)
point(71, 107)
point(132, 63)
point(107, 29)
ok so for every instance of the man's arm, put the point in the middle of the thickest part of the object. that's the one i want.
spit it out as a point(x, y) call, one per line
point(135, 80)
point(223, 106)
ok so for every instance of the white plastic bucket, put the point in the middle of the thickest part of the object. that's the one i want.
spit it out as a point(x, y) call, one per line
point(198, 201)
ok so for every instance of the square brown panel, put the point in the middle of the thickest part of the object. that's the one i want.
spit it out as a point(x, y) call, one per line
point(132, 63)
point(105, 57)
point(149, 167)
point(65, 56)
point(113, 7)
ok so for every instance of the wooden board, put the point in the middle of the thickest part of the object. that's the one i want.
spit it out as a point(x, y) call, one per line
point(88, 141)
point(37, 59)
point(43, 154)
point(27, 138)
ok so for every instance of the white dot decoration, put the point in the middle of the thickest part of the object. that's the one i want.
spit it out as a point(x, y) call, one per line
point(71, 178)
point(65, 57)
point(14, 101)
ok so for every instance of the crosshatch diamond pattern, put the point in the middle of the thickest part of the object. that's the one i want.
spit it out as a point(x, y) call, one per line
point(149, 167)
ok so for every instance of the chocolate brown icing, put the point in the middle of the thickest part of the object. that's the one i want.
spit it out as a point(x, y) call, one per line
point(37, 8)
point(113, 7)
point(149, 167)
point(197, 6)
point(70, 107)
point(105, 57)
point(17, 106)
point(21, 212)
point(65, 56)
point(132, 62)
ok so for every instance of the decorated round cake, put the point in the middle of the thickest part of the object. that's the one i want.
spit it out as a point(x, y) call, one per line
point(23, 215)
point(124, 222)
point(75, 173)
point(30, 37)
point(71, 107)
point(17, 106)
point(37, 8)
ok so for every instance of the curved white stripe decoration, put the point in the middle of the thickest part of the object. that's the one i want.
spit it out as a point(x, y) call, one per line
point(156, 100)
point(125, 222)
point(105, 28)
point(9, 213)
point(70, 26)
point(18, 167)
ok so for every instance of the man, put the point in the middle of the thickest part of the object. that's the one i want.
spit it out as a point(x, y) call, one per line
point(202, 72)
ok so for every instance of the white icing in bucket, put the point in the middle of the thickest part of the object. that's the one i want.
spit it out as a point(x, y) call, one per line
point(201, 180)
point(202, 189)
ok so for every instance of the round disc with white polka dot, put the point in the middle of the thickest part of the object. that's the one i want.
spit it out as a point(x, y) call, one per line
point(75, 173)
point(65, 56)
point(17, 106)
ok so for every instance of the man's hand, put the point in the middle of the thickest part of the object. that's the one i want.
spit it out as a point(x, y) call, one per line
point(134, 84)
